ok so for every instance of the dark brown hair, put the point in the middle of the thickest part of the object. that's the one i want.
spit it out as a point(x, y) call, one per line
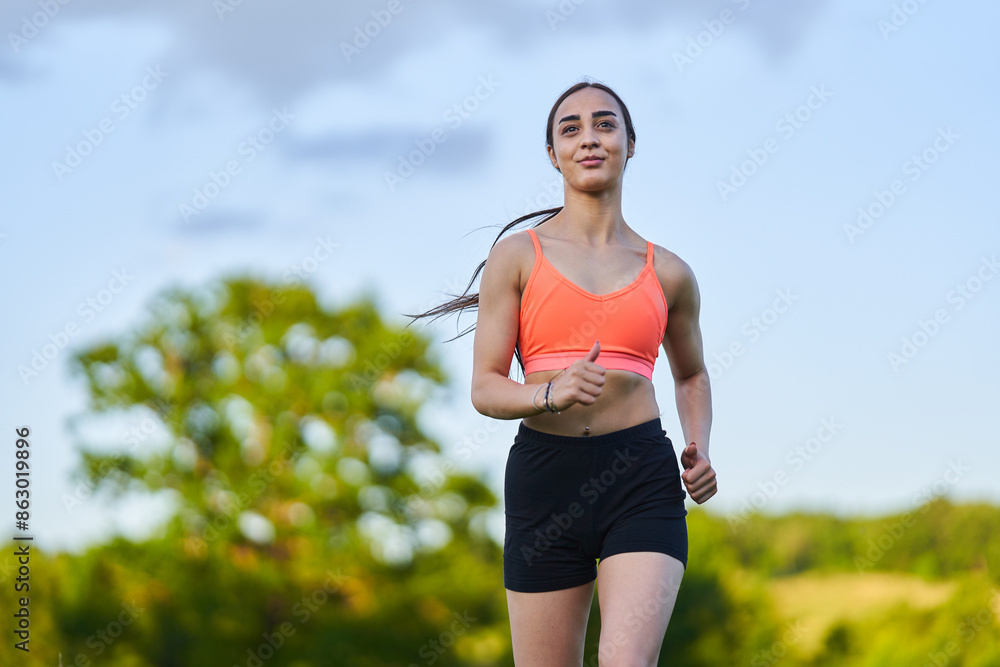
point(466, 300)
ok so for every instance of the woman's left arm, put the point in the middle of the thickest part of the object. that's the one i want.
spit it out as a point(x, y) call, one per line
point(683, 345)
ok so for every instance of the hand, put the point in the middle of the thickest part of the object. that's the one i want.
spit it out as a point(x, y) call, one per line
point(698, 475)
point(580, 382)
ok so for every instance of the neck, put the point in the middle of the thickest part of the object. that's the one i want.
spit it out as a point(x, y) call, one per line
point(594, 217)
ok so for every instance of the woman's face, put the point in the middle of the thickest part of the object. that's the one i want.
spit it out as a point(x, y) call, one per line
point(589, 123)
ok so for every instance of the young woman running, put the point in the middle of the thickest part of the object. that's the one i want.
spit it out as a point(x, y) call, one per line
point(583, 301)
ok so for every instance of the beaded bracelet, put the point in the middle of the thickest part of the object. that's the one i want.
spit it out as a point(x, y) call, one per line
point(548, 391)
point(536, 396)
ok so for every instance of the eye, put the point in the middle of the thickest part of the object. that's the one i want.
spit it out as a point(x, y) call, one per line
point(567, 128)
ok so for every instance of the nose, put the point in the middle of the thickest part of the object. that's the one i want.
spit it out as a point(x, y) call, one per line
point(588, 139)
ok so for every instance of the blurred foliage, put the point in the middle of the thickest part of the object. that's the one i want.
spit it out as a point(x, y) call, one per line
point(314, 523)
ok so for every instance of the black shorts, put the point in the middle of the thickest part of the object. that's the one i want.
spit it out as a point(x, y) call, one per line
point(571, 500)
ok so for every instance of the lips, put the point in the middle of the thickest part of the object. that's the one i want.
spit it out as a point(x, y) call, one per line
point(590, 161)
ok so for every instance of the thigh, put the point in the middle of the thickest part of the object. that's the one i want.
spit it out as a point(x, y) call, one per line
point(642, 507)
point(548, 543)
point(549, 629)
point(636, 591)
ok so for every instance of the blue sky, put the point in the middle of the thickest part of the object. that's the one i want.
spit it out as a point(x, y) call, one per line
point(808, 111)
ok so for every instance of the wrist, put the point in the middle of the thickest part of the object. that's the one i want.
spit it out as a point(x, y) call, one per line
point(550, 398)
point(535, 396)
point(702, 450)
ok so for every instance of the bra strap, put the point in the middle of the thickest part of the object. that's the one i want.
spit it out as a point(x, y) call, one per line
point(534, 240)
point(649, 253)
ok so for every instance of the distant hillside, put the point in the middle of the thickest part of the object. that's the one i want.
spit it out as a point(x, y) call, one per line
point(919, 589)
point(937, 539)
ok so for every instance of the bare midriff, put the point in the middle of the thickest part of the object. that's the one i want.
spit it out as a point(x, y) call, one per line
point(626, 399)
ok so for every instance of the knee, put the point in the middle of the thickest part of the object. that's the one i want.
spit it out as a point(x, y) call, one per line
point(615, 652)
point(621, 659)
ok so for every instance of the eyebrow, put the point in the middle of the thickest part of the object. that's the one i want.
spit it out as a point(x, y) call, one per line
point(593, 115)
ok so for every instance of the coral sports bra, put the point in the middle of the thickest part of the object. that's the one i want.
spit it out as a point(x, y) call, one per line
point(559, 320)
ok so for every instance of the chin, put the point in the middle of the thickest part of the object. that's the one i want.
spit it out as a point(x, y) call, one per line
point(594, 184)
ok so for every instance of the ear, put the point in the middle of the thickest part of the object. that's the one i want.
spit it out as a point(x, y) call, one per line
point(552, 158)
point(631, 148)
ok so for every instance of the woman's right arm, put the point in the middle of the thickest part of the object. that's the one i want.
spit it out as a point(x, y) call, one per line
point(494, 394)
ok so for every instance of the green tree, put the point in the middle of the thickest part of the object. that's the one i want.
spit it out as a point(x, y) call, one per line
point(314, 521)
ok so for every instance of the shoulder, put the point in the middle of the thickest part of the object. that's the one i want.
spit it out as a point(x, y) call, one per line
point(669, 265)
point(675, 275)
point(512, 255)
point(513, 248)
